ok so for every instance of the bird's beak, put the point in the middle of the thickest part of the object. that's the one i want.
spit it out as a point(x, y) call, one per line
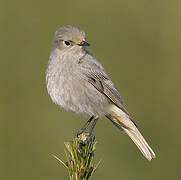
point(84, 43)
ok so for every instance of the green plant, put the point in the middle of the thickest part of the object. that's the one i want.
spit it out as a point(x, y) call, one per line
point(79, 157)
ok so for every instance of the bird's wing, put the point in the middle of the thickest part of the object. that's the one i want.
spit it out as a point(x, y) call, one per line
point(100, 80)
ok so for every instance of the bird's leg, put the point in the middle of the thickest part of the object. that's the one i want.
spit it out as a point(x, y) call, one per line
point(92, 127)
point(90, 132)
point(84, 127)
point(85, 142)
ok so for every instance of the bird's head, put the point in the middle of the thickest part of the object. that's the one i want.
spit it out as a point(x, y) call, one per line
point(70, 38)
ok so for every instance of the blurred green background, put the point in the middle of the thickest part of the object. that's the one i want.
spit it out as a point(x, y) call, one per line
point(138, 42)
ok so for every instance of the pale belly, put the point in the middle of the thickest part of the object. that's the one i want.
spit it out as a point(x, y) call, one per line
point(77, 95)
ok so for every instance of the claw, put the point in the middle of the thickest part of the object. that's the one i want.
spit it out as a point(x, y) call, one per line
point(82, 143)
point(79, 148)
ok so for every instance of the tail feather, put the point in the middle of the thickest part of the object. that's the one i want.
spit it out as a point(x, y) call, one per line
point(119, 117)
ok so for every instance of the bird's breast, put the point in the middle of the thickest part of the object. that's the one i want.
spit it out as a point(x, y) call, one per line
point(69, 88)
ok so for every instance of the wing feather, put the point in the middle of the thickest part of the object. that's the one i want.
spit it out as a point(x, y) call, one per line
point(103, 84)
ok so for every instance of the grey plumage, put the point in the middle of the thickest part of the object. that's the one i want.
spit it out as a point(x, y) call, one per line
point(77, 82)
point(75, 79)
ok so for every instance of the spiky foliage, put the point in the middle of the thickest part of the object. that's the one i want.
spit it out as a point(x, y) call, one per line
point(80, 157)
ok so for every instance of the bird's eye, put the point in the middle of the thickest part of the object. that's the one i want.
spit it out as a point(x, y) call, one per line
point(67, 43)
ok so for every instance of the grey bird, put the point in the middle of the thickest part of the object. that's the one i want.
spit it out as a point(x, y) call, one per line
point(77, 82)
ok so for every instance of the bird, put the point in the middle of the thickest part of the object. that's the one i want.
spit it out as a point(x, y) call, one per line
point(77, 82)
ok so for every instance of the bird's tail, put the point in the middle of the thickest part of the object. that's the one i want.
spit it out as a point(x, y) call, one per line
point(121, 119)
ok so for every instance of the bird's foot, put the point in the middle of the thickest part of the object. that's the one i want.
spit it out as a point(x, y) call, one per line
point(85, 142)
point(79, 133)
